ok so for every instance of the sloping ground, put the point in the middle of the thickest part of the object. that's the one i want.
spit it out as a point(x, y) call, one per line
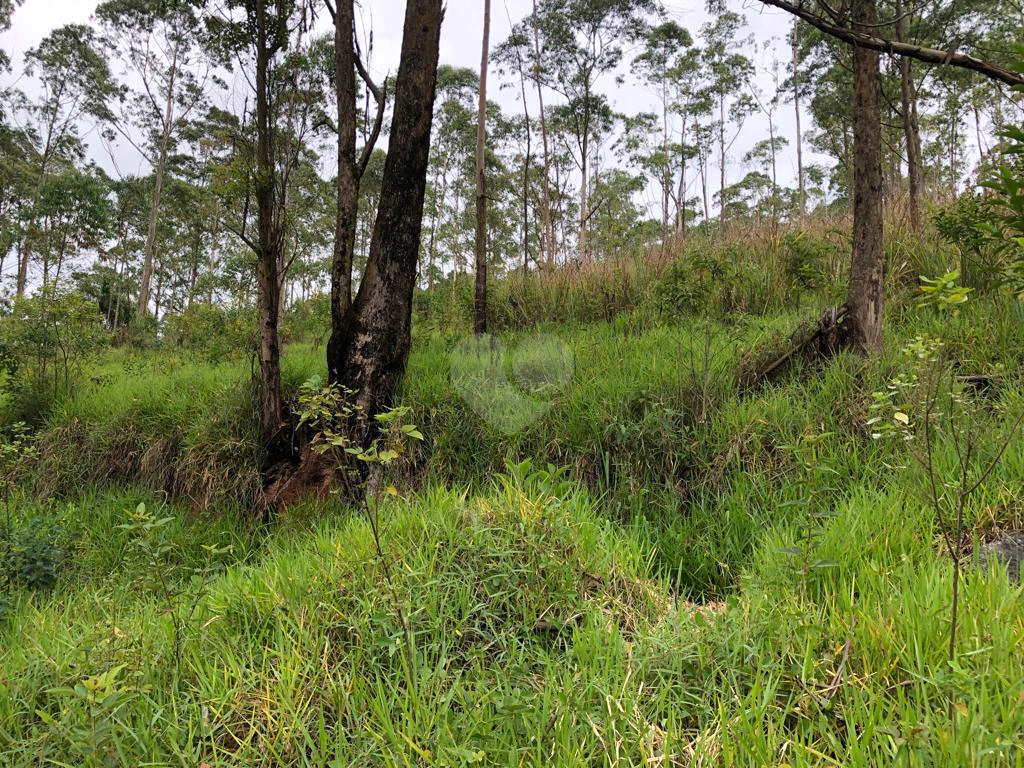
point(537, 638)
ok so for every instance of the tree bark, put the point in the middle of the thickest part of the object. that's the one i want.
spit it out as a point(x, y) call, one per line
point(347, 185)
point(270, 234)
point(864, 297)
point(376, 336)
point(158, 184)
point(480, 299)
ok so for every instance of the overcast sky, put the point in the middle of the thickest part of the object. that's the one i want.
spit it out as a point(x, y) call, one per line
point(460, 46)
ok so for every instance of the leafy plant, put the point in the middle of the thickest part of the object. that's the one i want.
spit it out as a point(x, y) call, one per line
point(341, 431)
point(156, 563)
point(100, 698)
point(943, 293)
point(47, 338)
point(925, 407)
point(812, 483)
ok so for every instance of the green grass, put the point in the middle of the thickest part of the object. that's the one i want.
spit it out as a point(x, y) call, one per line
point(538, 638)
point(611, 581)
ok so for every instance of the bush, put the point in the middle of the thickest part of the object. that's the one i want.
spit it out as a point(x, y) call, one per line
point(46, 339)
point(213, 332)
point(36, 545)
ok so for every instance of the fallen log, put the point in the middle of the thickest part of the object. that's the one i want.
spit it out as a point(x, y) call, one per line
point(811, 341)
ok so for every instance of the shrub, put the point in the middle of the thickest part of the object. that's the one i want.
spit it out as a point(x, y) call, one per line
point(213, 332)
point(46, 339)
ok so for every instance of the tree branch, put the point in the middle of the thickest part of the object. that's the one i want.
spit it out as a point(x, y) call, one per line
point(380, 96)
point(895, 48)
point(240, 235)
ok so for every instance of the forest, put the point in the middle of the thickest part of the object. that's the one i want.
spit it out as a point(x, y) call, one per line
point(544, 383)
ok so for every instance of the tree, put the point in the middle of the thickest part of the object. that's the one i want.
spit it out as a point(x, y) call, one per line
point(268, 39)
point(578, 42)
point(480, 302)
point(158, 41)
point(6, 10)
point(666, 56)
point(76, 83)
point(74, 213)
point(350, 170)
point(374, 347)
point(863, 324)
point(729, 72)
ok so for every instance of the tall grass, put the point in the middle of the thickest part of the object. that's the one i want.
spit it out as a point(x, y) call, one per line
point(539, 639)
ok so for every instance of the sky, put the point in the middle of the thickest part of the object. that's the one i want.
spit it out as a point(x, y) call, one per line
point(461, 46)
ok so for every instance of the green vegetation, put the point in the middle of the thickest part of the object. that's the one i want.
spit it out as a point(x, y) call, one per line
point(728, 473)
point(662, 568)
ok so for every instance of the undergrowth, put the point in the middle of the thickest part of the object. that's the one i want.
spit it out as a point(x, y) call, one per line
point(656, 567)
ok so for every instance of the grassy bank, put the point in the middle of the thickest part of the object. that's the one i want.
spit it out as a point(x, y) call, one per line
point(609, 553)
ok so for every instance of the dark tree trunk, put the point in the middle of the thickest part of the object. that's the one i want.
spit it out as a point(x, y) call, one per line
point(347, 185)
point(864, 298)
point(270, 235)
point(376, 335)
point(480, 300)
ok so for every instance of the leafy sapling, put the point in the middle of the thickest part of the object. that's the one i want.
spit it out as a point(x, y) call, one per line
point(342, 433)
point(814, 482)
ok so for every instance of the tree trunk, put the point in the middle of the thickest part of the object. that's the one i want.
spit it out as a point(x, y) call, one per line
point(721, 156)
point(584, 184)
point(480, 302)
point(377, 335)
point(864, 297)
point(270, 236)
point(347, 185)
point(801, 188)
point(158, 184)
point(548, 231)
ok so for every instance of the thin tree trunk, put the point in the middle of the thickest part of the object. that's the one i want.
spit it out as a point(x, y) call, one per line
point(347, 184)
point(546, 225)
point(864, 297)
point(666, 172)
point(158, 183)
point(270, 237)
point(802, 189)
point(526, 173)
point(480, 303)
point(584, 183)
point(721, 150)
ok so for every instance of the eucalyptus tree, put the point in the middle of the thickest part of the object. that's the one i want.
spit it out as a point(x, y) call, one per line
point(17, 184)
point(450, 169)
point(75, 84)
point(159, 44)
point(269, 42)
point(578, 43)
point(667, 61)
point(73, 212)
point(128, 224)
point(729, 72)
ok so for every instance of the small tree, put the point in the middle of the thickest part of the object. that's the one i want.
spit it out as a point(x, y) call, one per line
point(47, 338)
